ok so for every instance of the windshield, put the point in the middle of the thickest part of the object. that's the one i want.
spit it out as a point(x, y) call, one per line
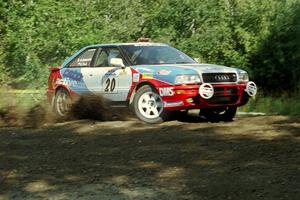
point(155, 54)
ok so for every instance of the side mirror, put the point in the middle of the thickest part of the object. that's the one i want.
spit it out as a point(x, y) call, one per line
point(118, 62)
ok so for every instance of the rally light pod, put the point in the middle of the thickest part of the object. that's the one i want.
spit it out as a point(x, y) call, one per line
point(251, 88)
point(206, 91)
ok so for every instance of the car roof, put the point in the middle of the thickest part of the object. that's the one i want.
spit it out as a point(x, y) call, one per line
point(114, 45)
point(125, 44)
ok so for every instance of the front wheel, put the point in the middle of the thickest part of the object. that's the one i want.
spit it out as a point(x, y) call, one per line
point(219, 114)
point(148, 105)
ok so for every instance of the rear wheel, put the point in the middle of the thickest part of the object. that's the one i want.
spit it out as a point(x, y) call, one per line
point(219, 114)
point(62, 102)
point(148, 105)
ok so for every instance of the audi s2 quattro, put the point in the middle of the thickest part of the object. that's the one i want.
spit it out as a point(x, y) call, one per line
point(154, 79)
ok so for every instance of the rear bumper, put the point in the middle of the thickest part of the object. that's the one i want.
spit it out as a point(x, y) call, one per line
point(187, 97)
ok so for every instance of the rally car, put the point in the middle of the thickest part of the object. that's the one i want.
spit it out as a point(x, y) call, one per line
point(153, 79)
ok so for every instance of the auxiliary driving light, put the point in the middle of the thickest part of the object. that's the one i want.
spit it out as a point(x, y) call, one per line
point(251, 88)
point(179, 91)
point(206, 91)
point(189, 100)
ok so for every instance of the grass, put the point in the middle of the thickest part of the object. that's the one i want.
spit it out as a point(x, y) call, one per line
point(19, 107)
point(21, 98)
point(283, 105)
point(16, 105)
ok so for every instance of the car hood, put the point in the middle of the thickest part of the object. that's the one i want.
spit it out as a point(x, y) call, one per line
point(210, 68)
point(169, 72)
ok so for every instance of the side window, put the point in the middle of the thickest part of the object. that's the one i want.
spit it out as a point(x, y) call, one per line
point(83, 60)
point(101, 59)
point(113, 53)
point(105, 55)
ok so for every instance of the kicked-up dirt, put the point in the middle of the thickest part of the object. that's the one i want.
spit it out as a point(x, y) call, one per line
point(249, 158)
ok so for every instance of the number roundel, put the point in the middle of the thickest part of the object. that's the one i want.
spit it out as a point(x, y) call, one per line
point(113, 85)
point(110, 85)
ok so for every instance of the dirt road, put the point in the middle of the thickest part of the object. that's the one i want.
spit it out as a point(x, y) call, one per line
point(250, 158)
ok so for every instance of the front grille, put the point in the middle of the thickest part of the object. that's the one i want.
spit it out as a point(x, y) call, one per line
point(220, 91)
point(223, 100)
point(219, 77)
point(232, 91)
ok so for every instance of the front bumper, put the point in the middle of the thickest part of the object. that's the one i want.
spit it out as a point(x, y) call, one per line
point(188, 97)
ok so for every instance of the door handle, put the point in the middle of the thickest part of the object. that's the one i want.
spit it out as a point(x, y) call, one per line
point(91, 74)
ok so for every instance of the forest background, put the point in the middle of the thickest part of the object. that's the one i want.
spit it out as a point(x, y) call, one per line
point(260, 36)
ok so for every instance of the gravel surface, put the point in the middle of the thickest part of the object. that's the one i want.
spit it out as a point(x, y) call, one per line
point(249, 158)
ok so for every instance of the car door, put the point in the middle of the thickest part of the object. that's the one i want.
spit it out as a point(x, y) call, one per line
point(92, 75)
point(77, 71)
point(114, 81)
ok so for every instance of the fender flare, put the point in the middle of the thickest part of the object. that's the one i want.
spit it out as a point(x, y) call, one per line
point(141, 84)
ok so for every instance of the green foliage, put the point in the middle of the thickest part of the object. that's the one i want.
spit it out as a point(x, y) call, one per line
point(261, 36)
point(3, 73)
point(276, 61)
point(283, 105)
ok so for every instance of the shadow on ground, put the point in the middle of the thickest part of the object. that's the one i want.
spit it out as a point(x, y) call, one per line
point(251, 158)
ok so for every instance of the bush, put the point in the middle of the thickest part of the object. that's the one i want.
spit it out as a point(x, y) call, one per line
point(282, 105)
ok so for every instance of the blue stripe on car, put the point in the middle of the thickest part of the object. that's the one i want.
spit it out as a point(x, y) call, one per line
point(169, 78)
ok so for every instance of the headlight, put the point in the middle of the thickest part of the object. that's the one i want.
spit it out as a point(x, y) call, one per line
point(187, 79)
point(243, 76)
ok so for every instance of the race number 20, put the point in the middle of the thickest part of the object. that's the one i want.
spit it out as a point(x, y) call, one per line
point(110, 85)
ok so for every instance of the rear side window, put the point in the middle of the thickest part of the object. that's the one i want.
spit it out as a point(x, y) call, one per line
point(103, 59)
point(84, 59)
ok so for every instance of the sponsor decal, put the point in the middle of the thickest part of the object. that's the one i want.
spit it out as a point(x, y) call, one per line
point(144, 69)
point(77, 76)
point(136, 77)
point(70, 83)
point(166, 92)
point(148, 44)
point(111, 72)
point(173, 104)
point(147, 76)
point(163, 72)
point(84, 62)
point(211, 69)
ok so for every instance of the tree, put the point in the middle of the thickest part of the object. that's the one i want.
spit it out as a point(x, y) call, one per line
point(260, 36)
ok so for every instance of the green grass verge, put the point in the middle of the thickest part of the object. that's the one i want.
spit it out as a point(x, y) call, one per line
point(22, 107)
point(284, 105)
point(21, 98)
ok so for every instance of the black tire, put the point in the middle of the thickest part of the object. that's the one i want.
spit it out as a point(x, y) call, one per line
point(216, 115)
point(61, 104)
point(156, 103)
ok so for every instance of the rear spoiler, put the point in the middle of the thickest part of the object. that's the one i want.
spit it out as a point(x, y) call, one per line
point(52, 69)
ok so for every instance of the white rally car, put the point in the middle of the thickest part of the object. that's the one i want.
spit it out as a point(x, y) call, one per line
point(155, 79)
